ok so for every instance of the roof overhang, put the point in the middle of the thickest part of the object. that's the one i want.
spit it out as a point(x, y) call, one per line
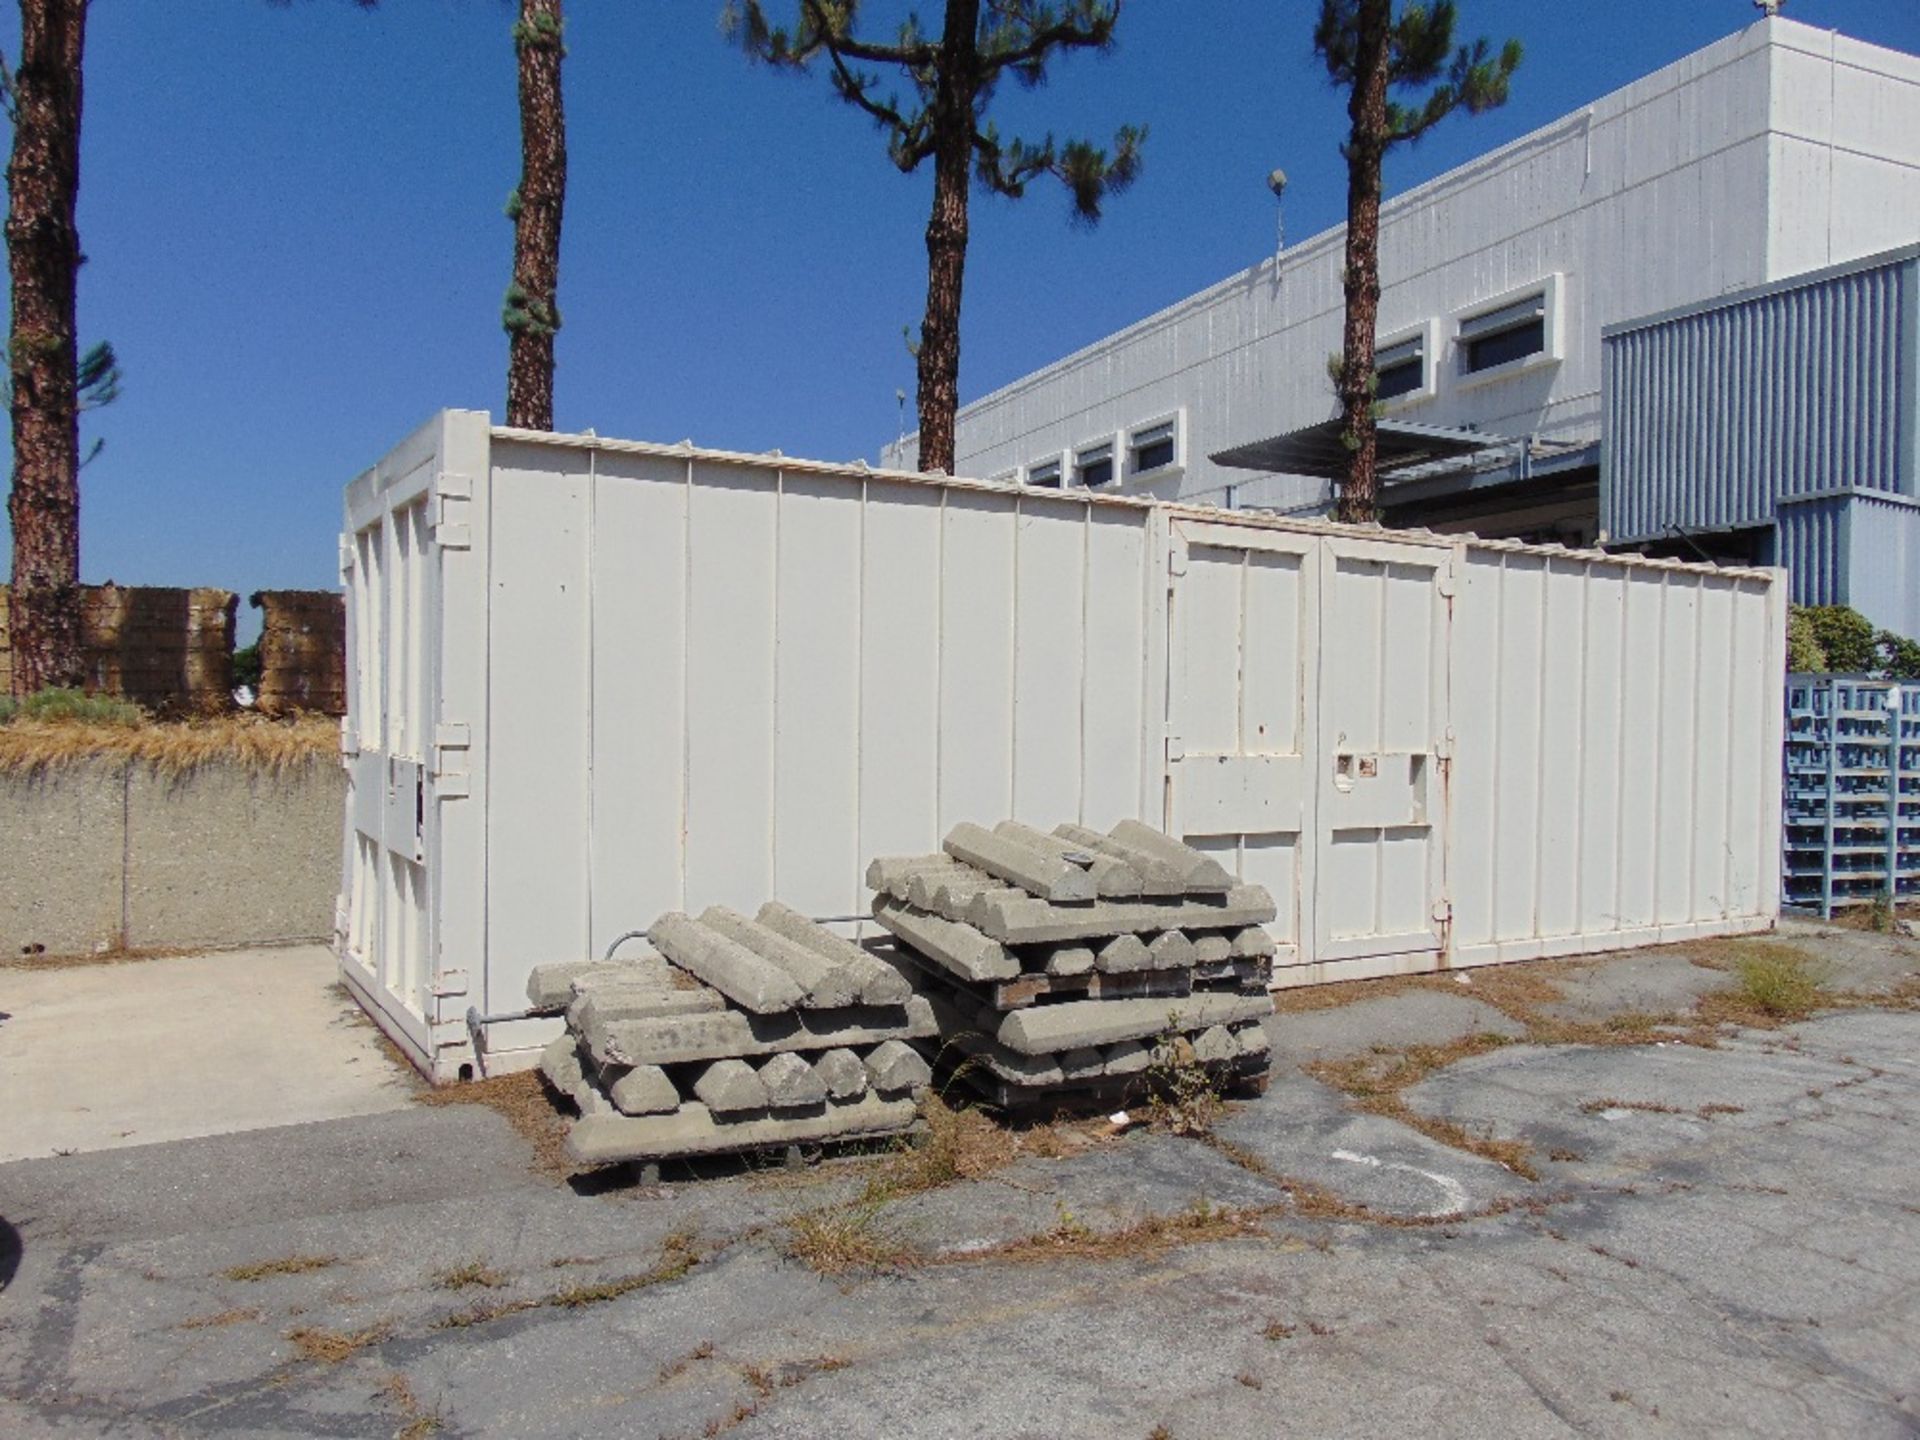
point(1317, 449)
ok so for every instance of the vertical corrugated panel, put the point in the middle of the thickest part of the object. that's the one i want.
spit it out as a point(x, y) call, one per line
point(1715, 415)
point(1810, 535)
point(1610, 776)
point(794, 672)
point(1883, 561)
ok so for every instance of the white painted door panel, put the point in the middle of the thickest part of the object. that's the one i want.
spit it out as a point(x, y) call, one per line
point(1384, 633)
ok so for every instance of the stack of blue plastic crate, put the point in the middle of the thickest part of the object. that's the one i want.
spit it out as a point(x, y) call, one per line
point(1852, 832)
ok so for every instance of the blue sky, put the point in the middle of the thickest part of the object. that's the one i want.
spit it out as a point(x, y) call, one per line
point(293, 218)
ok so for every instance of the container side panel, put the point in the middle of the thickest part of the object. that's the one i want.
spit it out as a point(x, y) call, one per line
point(1640, 751)
point(538, 819)
point(1049, 697)
point(1677, 715)
point(1272, 700)
point(817, 807)
point(1115, 661)
point(1749, 830)
point(1563, 699)
point(1516, 781)
point(1713, 750)
point(1207, 674)
point(731, 524)
point(977, 579)
point(899, 670)
point(1478, 681)
point(1600, 789)
point(639, 692)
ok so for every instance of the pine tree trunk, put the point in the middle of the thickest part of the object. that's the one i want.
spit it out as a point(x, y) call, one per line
point(939, 396)
point(1366, 148)
point(531, 314)
point(43, 255)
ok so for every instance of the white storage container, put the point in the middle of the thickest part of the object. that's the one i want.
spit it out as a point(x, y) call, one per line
point(595, 680)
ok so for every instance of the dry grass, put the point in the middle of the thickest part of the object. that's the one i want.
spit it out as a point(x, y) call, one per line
point(171, 748)
point(1147, 1239)
point(219, 1321)
point(40, 961)
point(1651, 1107)
point(1279, 1330)
point(848, 1241)
point(679, 1253)
point(334, 1347)
point(959, 1143)
point(285, 1265)
point(471, 1276)
point(398, 1392)
point(1782, 985)
point(674, 1368)
point(522, 1098)
point(1375, 1083)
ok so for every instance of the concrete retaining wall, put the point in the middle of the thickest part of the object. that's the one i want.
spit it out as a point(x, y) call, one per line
point(108, 852)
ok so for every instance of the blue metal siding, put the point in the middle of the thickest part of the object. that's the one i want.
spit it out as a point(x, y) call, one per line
point(1810, 544)
point(1883, 561)
point(1716, 414)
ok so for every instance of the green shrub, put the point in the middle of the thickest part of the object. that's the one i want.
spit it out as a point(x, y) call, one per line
point(71, 707)
point(1780, 983)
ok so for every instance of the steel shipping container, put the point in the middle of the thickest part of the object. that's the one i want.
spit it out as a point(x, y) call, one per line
point(593, 680)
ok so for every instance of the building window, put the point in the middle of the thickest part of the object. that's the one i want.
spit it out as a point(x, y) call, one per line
point(1046, 473)
point(1154, 447)
point(1005, 477)
point(1401, 368)
point(1501, 337)
point(1093, 464)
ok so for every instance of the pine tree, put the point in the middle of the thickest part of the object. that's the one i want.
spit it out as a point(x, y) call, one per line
point(530, 314)
point(1370, 53)
point(954, 76)
point(43, 96)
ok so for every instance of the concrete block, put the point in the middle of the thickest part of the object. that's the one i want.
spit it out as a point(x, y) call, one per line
point(1049, 1029)
point(732, 969)
point(550, 987)
point(1112, 879)
point(644, 1090)
point(1158, 879)
point(895, 1066)
point(1215, 1046)
point(1171, 951)
point(1253, 943)
point(1044, 876)
point(728, 1086)
point(953, 897)
point(595, 1009)
point(1202, 873)
point(957, 947)
point(1252, 1040)
point(1083, 1063)
point(1212, 949)
point(893, 874)
point(825, 985)
point(791, 1083)
point(843, 1073)
point(560, 1063)
point(1129, 1057)
point(692, 1130)
point(1124, 955)
point(878, 984)
point(1067, 960)
point(590, 1099)
point(676, 1039)
point(1023, 920)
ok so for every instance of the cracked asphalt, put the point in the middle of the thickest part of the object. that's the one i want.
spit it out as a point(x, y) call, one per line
point(1722, 1240)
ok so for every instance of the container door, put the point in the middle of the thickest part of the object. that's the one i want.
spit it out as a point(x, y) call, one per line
point(1242, 621)
point(1381, 772)
point(385, 567)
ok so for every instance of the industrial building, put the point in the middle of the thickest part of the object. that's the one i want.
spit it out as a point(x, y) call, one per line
point(1524, 297)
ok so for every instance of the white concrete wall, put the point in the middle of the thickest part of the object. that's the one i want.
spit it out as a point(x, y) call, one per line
point(1844, 150)
point(1653, 197)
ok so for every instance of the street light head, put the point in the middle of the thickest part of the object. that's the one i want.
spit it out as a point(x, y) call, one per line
point(1277, 183)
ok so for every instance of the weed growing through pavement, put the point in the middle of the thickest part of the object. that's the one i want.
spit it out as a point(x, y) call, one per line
point(679, 1253)
point(471, 1276)
point(333, 1347)
point(1182, 1097)
point(285, 1265)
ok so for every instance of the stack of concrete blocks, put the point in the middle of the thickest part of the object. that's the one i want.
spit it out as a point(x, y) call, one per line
point(1069, 969)
point(730, 1035)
